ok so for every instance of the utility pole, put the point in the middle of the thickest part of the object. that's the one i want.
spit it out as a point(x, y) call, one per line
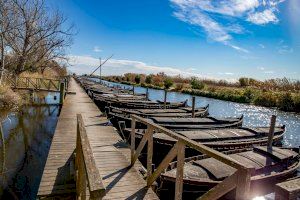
point(100, 71)
point(101, 64)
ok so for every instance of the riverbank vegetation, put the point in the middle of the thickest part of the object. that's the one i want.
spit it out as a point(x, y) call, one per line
point(33, 40)
point(281, 93)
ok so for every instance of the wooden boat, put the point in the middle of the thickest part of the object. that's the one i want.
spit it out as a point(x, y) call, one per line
point(202, 173)
point(132, 101)
point(220, 139)
point(119, 114)
point(197, 123)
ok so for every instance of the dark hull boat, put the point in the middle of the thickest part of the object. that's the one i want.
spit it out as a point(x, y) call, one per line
point(133, 102)
point(117, 114)
point(219, 139)
point(202, 173)
point(197, 123)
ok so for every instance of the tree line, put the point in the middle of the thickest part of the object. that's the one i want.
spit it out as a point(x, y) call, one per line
point(32, 36)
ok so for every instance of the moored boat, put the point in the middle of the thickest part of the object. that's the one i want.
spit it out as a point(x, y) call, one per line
point(119, 114)
point(220, 139)
point(202, 173)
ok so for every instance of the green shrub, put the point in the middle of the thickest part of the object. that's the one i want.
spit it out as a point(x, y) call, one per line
point(197, 84)
point(244, 82)
point(148, 79)
point(137, 79)
point(296, 100)
point(285, 102)
point(168, 82)
point(267, 99)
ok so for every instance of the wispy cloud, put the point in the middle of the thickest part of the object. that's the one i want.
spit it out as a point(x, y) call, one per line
point(213, 16)
point(262, 46)
point(97, 49)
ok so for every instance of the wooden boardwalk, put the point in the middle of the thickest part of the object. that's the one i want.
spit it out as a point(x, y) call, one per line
point(110, 152)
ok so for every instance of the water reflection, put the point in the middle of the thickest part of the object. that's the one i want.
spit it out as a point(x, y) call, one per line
point(253, 115)
point(25, 141)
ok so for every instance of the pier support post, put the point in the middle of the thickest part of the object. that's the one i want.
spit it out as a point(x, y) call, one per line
point(133, 89)
point(62, 93)
point(147, 93)
point(165, 99)
point(271, 132)
point(193, 106)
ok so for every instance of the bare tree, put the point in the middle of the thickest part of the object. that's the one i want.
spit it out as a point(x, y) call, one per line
point(7, 24)
point(39, 37)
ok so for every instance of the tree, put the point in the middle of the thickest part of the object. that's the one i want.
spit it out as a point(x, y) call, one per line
point(39, 37)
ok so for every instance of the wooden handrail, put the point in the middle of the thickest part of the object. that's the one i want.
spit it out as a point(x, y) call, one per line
point(240, 179)
point(87, 174)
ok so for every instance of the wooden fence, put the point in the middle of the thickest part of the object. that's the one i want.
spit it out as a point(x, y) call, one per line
point(240, 180)
point(88, 180)
point(40, 84)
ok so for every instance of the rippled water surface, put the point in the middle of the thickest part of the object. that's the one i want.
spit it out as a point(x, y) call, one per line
point(253, 115)
point(24, 145)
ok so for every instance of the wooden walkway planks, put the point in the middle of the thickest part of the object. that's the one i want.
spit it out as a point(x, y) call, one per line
point(111, 153)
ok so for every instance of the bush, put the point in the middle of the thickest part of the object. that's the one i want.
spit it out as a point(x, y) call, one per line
point(9, 100)
point(267, 99)
point(244, 82)
point(197, 84)
point(296, 100)
point(285, 102)
point(149, 79)
point(179, 86)
point(168, 82)
point(137, 79)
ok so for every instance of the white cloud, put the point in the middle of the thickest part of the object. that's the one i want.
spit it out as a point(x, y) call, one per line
point(285, 49)
point(239, 48)
point(262, 46)
point(269, 72)
point(263, 17)
point(213, 16)
point(87, 64)
point(97, 49)
point(261, 68)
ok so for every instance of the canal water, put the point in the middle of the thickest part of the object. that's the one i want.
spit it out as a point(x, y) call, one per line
point(24, 145)
point(253, 115)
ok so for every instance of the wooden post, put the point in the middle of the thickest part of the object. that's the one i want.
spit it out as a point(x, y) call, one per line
point(62, 93)
point(133, 89)
point(271, 132)
point(66, 84)
point(149, 152)
point(132, 138)
point(147, 93)
point(193, 106)
point(165, 99)
point(243, 184)
point(179, 172)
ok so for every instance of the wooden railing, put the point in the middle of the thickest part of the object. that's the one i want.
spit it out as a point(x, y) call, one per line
point(44, 84)
point(88, 179)
point(240, 180)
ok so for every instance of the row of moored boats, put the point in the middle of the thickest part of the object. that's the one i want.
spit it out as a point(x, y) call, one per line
point(244, 144)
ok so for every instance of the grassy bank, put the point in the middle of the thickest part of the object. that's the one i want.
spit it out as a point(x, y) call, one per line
point(281, 94)
point(9, 100)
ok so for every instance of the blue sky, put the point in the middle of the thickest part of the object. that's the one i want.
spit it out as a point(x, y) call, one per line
point(223, 39)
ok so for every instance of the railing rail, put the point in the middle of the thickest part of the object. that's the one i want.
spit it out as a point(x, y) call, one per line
point(239, 180)
point(88, 178)
point(46, 84)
